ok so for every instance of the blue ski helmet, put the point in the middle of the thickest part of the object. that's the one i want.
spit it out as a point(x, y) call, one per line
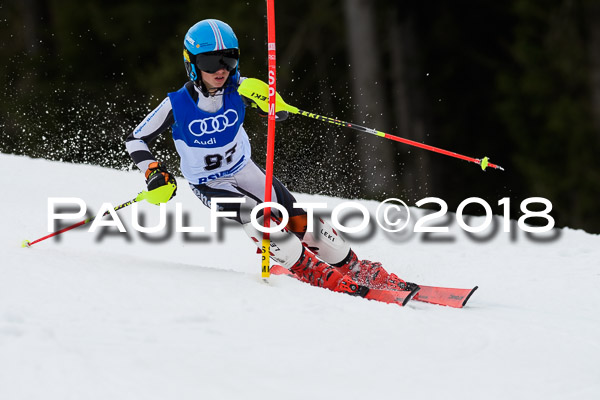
point(208, 46)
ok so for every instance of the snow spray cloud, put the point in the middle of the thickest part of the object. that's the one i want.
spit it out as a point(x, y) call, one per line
point(393, 216)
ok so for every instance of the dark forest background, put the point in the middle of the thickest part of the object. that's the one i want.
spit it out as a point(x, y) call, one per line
point(517, 81)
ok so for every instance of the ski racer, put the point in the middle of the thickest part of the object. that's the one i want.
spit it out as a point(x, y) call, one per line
point(207, 116)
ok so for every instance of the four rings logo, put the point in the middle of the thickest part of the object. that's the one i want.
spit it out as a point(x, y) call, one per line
point(199, 127)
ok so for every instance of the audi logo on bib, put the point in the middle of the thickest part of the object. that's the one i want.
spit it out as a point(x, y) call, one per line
point(219, 123)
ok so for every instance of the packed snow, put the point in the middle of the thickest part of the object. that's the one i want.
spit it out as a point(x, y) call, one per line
point(109, 315)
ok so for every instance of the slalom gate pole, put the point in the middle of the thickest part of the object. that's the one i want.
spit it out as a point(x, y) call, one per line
point(256, 91)
point(266, 242)
point(148, 196)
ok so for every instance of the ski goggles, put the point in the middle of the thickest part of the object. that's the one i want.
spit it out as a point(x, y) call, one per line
point(214, 61)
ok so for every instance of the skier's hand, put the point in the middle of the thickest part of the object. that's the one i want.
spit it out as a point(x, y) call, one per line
point(248, 102)
point(279, 116)
point(157, 176)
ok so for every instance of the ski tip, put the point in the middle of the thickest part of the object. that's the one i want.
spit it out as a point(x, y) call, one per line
point(469, 296)
point(412, 294)
point(26, 243)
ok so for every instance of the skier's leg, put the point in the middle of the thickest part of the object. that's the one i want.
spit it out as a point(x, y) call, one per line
point(286, 247)
point(249, 184)
point(331, 247)
point(287, 250)
point(325, 241)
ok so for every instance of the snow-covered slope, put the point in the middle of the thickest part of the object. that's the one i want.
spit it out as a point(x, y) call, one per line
point(120, 317)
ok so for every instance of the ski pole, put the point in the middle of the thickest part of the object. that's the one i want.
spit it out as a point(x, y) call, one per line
point(257, 91)
point(152, 197)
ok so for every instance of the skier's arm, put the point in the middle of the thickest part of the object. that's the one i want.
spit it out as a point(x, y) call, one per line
point(149, 129)
point(137, 143)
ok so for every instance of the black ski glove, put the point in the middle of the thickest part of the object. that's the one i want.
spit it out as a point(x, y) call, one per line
point(279, 115)
point(157, 176)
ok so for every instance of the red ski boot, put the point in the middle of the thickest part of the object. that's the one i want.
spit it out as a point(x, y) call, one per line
point(318, 273)
point(372, 274)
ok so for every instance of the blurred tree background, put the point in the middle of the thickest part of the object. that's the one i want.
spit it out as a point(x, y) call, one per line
point(517, 81)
